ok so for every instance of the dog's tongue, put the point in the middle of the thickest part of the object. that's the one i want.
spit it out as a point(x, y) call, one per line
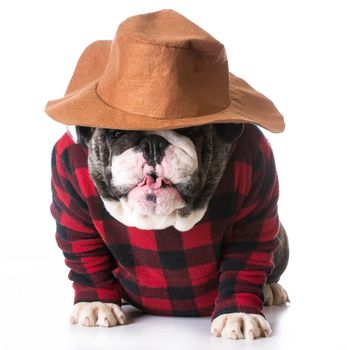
point(158, 183)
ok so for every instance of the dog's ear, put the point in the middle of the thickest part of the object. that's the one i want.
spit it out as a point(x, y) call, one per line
point(80, 134)
point(229, 132)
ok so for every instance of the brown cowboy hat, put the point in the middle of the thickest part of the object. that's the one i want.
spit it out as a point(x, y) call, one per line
point(161, 71)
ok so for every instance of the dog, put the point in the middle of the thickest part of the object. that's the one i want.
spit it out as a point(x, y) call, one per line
point(176, 222)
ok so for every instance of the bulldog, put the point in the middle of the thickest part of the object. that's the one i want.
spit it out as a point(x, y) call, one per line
point(176, 222)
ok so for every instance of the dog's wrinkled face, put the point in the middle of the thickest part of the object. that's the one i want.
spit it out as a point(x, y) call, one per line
point(155, 179)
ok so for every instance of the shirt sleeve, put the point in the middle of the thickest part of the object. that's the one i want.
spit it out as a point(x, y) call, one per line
point(85, 253)
point(251, 237)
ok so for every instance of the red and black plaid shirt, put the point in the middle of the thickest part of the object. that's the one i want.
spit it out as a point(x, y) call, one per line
point(219, 266)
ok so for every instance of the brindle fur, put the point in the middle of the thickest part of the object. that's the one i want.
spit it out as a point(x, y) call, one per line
point(280, 257)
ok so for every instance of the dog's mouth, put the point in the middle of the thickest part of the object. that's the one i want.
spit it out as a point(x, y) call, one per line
point(155, 195)
point(154, 182)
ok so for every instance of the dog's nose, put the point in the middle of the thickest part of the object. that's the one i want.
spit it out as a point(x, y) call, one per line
point(153, 148)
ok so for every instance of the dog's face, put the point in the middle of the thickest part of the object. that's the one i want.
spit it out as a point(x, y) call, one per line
point(156, 179)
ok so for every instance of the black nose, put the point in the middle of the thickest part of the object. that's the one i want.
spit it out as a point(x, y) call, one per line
point(153, 148)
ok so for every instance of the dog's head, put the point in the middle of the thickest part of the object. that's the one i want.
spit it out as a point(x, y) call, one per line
point(156, 179)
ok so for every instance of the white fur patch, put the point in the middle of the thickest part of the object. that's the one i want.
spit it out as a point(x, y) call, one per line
point(127, 168)
point(127, 216)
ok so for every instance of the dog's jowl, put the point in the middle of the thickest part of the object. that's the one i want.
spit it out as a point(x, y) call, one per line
point(165, 189)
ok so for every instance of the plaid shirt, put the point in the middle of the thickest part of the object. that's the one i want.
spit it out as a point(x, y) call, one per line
point(219, 266)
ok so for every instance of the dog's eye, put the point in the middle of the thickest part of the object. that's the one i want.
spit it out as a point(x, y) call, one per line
point(113, 133)
point(117, 134)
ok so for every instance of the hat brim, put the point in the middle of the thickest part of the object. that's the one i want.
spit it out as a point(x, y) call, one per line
point(82, 106)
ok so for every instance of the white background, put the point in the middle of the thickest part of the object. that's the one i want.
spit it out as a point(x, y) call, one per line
point(292, 51)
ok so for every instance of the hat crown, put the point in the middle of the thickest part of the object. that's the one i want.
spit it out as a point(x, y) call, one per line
point(169, 28)
point(164, 66)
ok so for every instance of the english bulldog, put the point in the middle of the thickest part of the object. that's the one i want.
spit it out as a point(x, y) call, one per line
point(188, 218)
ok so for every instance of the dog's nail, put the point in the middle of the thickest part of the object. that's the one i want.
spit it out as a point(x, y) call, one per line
point(87, 321)
point(251, 334)
point(106, 323)
point(122, 320)
point(266, 333)
point(72, 320)
point(233, 335)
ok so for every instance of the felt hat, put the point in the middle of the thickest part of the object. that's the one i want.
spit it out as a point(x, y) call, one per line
point(161, 71)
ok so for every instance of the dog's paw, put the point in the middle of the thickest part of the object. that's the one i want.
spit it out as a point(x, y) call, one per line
point(240, 326)
point(97, 313)
point(275, 294)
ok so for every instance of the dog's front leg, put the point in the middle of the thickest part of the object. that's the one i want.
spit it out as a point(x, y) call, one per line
point(96, 313)
point(239, 325)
